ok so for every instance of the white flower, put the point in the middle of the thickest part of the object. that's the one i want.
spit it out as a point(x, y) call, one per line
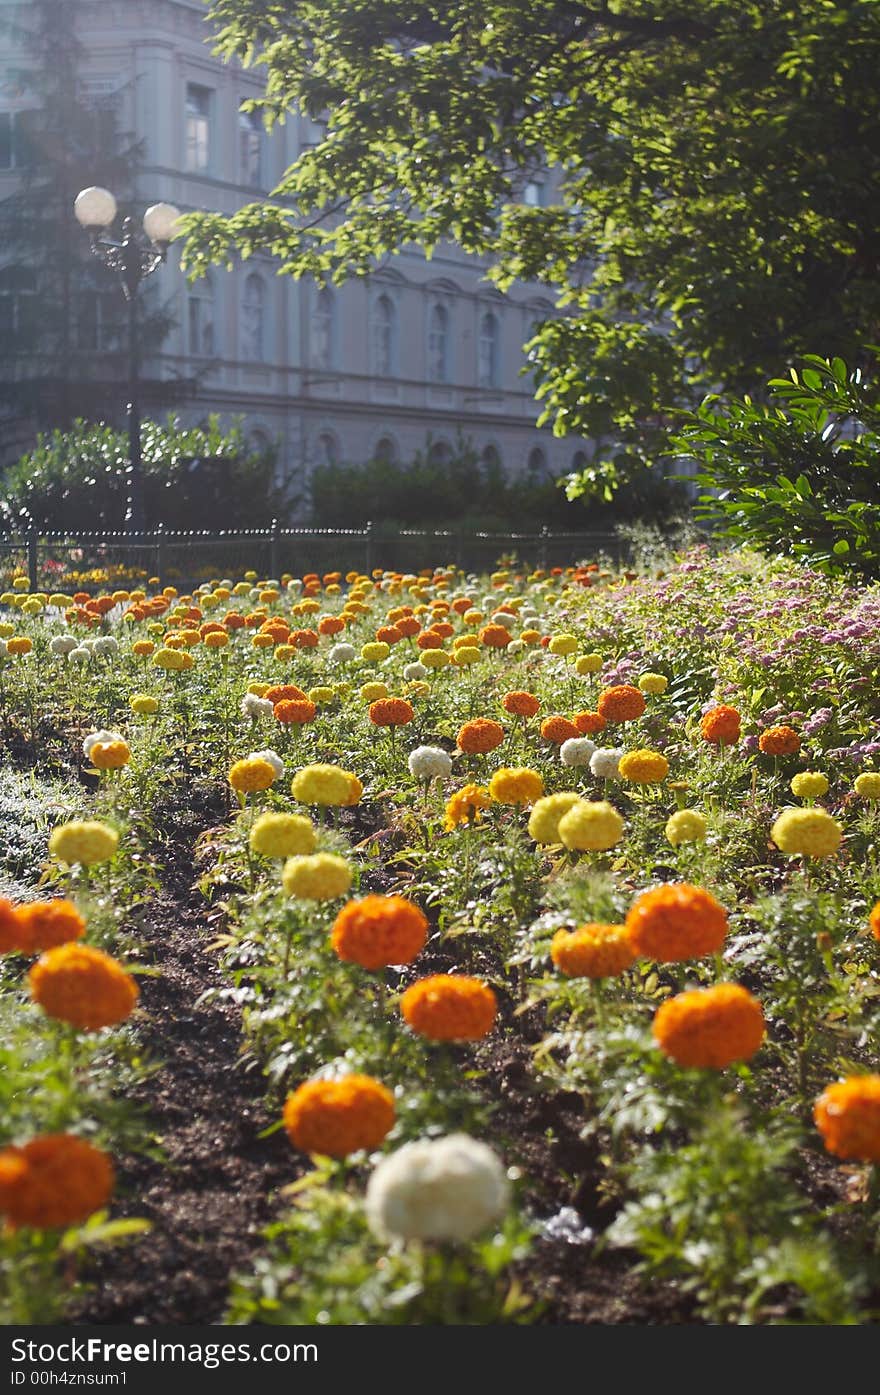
point(342, 654)
point(516, 646)
point(95, 736)
point(62, 644)
point(503, 617)
point(253, 706)
point(105, 645)
point(254, 593)
point(577, 751)
point(413, 672)
point(226, 584)
point(429, 763)
point(295, 586)
point(605, 761)
point(79, 655)
point(88, 642)
point(272, 758)
point(437, 1189)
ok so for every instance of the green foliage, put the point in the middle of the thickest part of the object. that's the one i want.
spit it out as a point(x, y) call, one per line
point(194, 477)
point(799, 475)
point(712, 192)
point(323, 1265)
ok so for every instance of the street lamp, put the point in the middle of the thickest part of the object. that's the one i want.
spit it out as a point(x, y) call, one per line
point(134, 257)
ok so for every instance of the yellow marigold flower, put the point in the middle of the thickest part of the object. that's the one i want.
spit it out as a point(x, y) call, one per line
point(809, 784)
point(588, 663)
point(653, 683)
point(143, 648)
point(19, 644)
point(173, 660)
point(143, 704)
point(109, 755)
point(322, 696)
point(562, 644)
point(466, 806)
point(435, 658)
point(32, 606)
point(84, 841)
point(216, 639)
point(321, 877)
point(592, 951)
point(6, 629)
point(20, 583)
point(254, 773)
point(546, 814)
point(418, 688)
point(591, 826)
point(516, 786)
point(259, 689)
point(644, 767)
point(808, 832)
point(282, 835)
point(372, 692)
point(321, 784)
point(465, 655)
point(867, 785)
point(685, 826)
point(473, 617)
point(261, 640)
point(375, 651)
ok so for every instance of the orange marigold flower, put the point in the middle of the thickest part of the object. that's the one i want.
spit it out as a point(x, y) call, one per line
point(588, 723)
point(409, 626)
point(721, 725)
point(379, 930)
point(56, 1180)
point(592, 951)
point(83, 986)
point(558, 730)
point(430, 640)
point(304, 639)
point(480, 736)
point(12, 940)
point(389, 634)
point(443, 629)
point(391, 712)
point(495, 636)
point(779, 741)
point(466, 805)
point(847, 1115)
point(294, 711)
point(449, 1007)
point(45, 924)
point(520, 704)
point(338, 1117)
point(330, 625)
point(709, 1028)
point(676, 921)
point(874, 921)
point(110, 755)
point(621, 704)
point(284, 692)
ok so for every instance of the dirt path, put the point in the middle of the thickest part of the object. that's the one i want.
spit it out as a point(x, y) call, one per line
point(212, 1193)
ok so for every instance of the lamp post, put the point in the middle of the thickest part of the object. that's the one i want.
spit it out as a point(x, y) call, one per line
point(134, 257)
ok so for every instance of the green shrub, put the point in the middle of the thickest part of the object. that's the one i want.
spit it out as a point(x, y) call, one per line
point(799, 474)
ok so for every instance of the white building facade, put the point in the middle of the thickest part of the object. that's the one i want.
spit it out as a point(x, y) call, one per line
point(414, 357)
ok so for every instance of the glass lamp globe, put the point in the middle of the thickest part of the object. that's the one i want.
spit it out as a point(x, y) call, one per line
point(160, 222)
point(95, 208)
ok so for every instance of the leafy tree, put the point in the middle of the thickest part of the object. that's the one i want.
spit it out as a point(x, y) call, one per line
point(800, 474)
point(199, 477)
point(63, 344)
point(716, 179)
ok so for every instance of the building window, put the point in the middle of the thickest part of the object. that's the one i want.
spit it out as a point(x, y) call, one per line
point(386, 451)
point(253, 316)
point(579, 460)
point(16, 143)
point(98, 321)
point(250, 147)
point(328, 449)
point(384, 327)
point(537, 461)
point(323, 328)
point(440, 453)
point(533, 194)
point(488, 352)
point(198, 128)
point(18, 286)
point(200, 318)
point(438, 345)
point(491, 462)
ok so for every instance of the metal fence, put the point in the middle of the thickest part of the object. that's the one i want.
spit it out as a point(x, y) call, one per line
point(90, 561)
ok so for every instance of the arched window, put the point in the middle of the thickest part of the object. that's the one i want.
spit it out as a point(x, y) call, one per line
point(327, 449)
point(253, 320)
point(440, 453)
point(323, 328)
point(579, 460)
point(491, 462)
point(438, 345)
point(537, 461)
point(258, 441)
point(200, 318)
point(386, 450)
point(384, 337)
point(488, 352)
